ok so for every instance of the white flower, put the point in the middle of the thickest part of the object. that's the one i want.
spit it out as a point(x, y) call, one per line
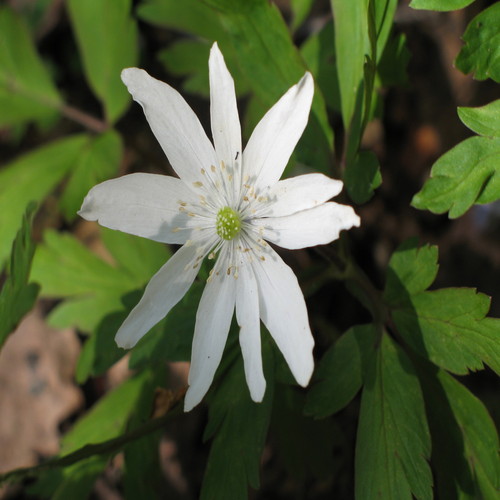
point(224, 205)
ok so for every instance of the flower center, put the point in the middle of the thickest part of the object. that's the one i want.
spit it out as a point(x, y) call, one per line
point(228, 223)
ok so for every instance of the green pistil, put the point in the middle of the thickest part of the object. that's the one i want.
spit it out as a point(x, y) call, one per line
point(228, 223)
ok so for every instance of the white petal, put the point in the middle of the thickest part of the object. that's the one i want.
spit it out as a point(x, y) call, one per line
point(300, 193)
point(164, 290)
point(308, 228)
point(247, 315)
point(146, 205)
point(213, 320)
point(173, 123)
point(226, 130)
point(283, 311)
point(275, 137)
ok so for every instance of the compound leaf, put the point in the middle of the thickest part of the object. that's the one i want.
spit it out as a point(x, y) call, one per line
point(393, 442)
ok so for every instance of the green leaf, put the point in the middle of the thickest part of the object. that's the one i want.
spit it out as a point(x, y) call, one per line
point(484, 120)
point(26, 89)
point(318, 52)
point(481, 53)
point(309, 452)
point(447, 326)
point(394, 61)
point(172, 338)
point(190, 16)
point(94, 288)
point(440, 5)
point(107, 38)
point(465, 175)
point(106, 420)
point(412, 269)
point(464, 439)
point(253, 37)
point(271, 64)
point(362, 176)
point(17, 296)
point(340, 373)
point(98, 161)
point(301, 9)
point(393, 439)
point(32, 177)
point(238, 427)
point(188, 58)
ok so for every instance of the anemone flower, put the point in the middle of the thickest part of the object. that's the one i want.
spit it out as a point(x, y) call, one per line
point(224, 205)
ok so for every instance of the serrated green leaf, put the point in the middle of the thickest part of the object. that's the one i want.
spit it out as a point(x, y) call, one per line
point(440, 5)
point(412, 269)
point(98, 161)
point(26, 89)
point(66, 269)
point(340, 372)
point(481, 53)
point(32, 177)
point(238, 427)
point(393, 442)
point(484, 120)
point(447, 326)
point(17, 296)
point(106, 420)
point(464, 439)
point(465, 175)
point(362, 176)
point(107, 38)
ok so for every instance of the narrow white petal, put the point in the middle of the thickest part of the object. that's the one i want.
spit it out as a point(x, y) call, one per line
point(300, 193)
point(164, 290)
point(226, 130)
point(283, 311)
point(308, 228)
point(213, 320)
point(247, 315)
point(173, 122)
point(275, 137)
point(146, 205)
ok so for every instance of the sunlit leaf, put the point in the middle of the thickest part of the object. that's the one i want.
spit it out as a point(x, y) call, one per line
point(393, 442)
point(447, 326)
point(92, 287)
point(440, 5)
point(17, 296)
point(484, 120)
point(107, 38)
point(481, 53)
point(32, 177)
point(463, 176)
point(26, 89)
point(98, 161)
